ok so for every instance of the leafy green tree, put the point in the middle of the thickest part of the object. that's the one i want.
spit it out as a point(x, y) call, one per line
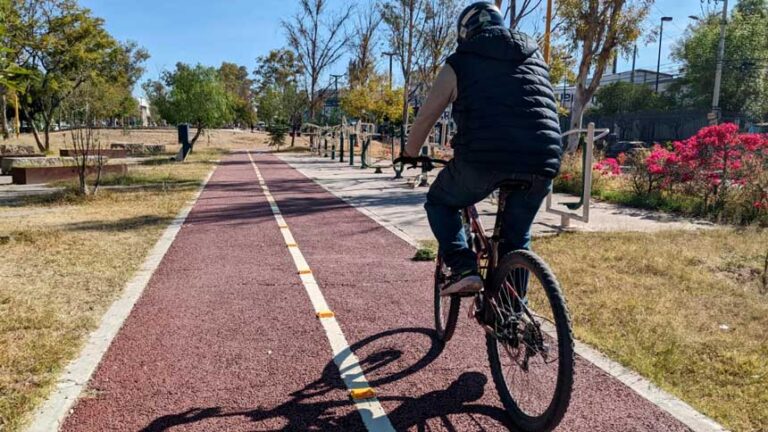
point(624, 97)
point(108, 95)
point(279, 97)
point(240, 89)
point(193, 95)
point(65, 47)
point(11, 74)
point(744, 86)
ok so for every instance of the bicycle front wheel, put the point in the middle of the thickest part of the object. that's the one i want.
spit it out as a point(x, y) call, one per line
point(530, 342)
point(446, 307)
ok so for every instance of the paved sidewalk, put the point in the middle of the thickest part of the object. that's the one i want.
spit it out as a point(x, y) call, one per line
point(225, 337)
point(397, 203)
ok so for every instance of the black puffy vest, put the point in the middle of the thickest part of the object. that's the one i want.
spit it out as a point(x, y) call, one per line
point(505, 108)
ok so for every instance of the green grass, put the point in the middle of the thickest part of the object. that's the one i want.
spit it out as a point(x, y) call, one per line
point(656, 303)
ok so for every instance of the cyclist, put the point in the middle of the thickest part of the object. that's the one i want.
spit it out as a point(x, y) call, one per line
point(507, 129)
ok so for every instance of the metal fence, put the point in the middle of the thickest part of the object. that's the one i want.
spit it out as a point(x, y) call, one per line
point(654, 126)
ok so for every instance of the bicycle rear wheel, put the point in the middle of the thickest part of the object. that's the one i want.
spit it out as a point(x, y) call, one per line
point(530, 343)
point(446, 307)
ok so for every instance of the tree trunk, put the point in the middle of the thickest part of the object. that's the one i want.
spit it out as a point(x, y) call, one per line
point(3, 119)
point(577, 117)
point(197, 135)
point(35, 133)
point(293, 135)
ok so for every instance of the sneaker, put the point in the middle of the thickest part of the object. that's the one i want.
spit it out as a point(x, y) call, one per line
point(468, 282)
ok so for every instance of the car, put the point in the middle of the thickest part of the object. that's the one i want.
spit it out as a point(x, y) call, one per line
point(761, 128)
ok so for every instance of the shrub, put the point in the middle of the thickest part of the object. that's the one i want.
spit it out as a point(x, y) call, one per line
point(276, 134)
point(726, 171)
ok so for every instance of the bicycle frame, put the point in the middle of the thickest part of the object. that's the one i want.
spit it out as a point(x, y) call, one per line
point(486, 248)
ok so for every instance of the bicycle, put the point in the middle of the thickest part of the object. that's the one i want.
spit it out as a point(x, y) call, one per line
point(524, 314)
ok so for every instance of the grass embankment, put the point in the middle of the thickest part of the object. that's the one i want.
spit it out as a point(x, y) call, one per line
point(684, 309)
point(688, 310)
point(64, 259)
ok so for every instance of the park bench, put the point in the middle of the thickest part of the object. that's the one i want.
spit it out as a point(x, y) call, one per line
point(37, 170)
point(110, 153)
point(139, 149)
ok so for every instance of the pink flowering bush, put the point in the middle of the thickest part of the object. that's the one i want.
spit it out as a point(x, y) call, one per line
point(726, 171)
point(609, 166)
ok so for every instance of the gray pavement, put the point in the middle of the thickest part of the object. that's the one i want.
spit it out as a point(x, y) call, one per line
point(399, 204)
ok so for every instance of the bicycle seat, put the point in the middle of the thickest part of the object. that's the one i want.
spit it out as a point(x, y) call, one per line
point(515, 184)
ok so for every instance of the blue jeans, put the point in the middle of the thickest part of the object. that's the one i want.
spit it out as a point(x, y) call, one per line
point(460, 185)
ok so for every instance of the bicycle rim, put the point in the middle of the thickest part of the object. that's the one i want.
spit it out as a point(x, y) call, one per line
point(530, 348)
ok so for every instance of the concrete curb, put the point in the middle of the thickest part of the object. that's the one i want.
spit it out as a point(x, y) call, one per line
point(678, 409)
point(73, 379)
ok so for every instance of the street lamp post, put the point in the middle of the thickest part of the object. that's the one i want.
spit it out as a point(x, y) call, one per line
point(719, 69)
point(390, 55)
point(658, 61)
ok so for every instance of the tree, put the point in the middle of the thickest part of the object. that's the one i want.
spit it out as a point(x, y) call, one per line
point(192, 95)
point(438, 39)
point(280, 99)
point(362, 65)
point(373, 102)
point(624, 97)
point(65, 47)
point(11, 74)
point(108, 94)
point(598, 29)
point(515, 13)
point(281, 102)
point(239, 87)
point(319, 39)
point(744, 87)
point(405, 40)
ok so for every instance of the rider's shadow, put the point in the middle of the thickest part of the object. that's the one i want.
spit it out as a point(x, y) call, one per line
point(454, 408)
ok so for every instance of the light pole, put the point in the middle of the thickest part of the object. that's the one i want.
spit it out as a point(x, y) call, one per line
point(390, 55)
point(719, 70)
point(658, 61)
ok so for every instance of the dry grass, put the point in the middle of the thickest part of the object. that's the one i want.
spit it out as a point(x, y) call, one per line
point(682, 308)
point(64, 260)
point(221, 138)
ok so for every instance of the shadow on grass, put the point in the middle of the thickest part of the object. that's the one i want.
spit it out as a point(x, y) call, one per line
point(120, 224)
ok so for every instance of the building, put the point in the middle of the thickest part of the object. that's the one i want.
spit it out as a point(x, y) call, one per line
point(565, 93)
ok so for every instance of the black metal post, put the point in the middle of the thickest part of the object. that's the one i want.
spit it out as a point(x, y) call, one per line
point(352, 142)
point(658, 60)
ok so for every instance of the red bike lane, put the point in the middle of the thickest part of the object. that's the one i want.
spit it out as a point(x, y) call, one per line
point(383, 301)
point(225, 337)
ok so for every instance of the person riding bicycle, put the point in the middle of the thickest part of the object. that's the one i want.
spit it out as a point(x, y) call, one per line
point(507, 130)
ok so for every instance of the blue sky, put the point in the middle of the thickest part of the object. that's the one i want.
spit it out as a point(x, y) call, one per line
point(209, 32)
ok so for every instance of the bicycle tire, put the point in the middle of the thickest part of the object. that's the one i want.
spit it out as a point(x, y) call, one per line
point(445, 325)
point(554, 412)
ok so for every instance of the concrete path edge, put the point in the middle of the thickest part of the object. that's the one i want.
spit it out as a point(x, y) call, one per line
point(678, 409)
point(73, 379)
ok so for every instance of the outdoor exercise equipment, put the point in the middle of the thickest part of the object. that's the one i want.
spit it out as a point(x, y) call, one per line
point(586, 194)
point(183, 139)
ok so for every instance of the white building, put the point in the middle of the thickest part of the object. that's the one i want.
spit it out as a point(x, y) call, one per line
point(639, 76)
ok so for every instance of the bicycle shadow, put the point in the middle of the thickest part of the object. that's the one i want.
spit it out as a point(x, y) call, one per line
point(454, 404)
